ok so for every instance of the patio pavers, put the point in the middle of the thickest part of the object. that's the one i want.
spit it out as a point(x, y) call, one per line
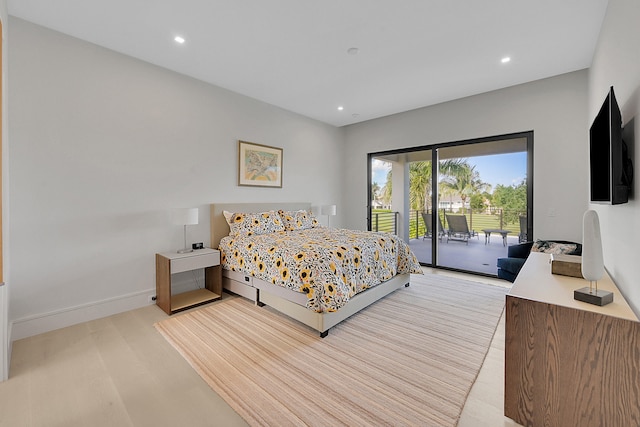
point(474, 257)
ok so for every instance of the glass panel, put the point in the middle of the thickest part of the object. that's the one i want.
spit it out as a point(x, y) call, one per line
point(482, 196)
point(387, 197)
point(382, 216)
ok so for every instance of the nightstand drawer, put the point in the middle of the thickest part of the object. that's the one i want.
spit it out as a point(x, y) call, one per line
point(193, 262)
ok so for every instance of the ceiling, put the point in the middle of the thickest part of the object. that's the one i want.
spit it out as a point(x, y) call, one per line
point(294, 53)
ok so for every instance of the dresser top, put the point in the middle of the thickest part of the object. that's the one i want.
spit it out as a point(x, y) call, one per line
point(535, 282)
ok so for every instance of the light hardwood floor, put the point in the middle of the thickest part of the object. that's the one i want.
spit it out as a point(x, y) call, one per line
point(119, 371)
point(484, 405)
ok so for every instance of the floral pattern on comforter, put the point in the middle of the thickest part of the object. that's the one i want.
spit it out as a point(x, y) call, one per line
point(329, 265)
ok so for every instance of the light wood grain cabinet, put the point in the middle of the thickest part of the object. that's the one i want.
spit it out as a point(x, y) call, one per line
point(170, 263)
point(569, 363)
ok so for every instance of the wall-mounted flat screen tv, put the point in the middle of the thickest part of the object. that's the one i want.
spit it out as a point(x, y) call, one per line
point(611, 170)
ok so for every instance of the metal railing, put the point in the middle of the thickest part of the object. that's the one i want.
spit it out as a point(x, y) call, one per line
point(386, 221)
point(495, 218)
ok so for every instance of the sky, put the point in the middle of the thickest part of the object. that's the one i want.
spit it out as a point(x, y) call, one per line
point(505, 169)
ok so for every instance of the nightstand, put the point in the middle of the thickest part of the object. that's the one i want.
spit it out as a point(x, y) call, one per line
point(170, 263)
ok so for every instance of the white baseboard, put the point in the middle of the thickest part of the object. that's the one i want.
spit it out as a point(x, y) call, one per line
point(45, 322)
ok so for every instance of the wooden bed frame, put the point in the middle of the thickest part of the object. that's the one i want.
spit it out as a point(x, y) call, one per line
point(288, 302)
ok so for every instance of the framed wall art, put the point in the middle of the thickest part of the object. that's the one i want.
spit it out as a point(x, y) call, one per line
point(259, 165)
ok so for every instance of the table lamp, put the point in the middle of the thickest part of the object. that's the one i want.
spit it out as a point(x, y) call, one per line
point(184, 217)
point(329, 211)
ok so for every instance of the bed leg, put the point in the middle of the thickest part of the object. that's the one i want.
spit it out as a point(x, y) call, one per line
point(324, 334)
point(258, 302)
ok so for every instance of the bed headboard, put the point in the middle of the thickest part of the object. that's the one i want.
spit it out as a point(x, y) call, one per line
point(219, 226)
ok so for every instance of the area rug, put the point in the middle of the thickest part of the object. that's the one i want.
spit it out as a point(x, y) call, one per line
point(409, 359)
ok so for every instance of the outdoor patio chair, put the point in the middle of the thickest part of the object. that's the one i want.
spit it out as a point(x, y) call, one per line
point(458, 228)
point(427, 218)
point(522, 237)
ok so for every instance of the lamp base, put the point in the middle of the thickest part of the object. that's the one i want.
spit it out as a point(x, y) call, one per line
point(185, 251)
point(595, 297)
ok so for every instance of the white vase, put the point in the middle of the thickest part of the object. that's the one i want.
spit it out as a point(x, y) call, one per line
point(592, 261)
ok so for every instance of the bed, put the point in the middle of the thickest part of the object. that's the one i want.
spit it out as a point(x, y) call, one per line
point(335, 294)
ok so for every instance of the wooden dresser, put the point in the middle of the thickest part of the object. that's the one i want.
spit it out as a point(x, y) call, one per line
point(569, 363)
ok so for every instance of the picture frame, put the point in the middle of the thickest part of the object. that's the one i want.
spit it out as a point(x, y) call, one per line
point(259, 165)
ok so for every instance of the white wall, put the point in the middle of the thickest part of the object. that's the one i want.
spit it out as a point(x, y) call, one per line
point(553, 108)
point(617, 63)
point(4, 290)
point(102, 146)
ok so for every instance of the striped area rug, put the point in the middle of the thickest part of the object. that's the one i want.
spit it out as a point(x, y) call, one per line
point(409, 359)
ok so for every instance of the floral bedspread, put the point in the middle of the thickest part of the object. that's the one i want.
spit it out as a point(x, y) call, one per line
point(329, 265)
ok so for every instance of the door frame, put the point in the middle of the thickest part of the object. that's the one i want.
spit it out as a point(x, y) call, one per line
point(527, 135)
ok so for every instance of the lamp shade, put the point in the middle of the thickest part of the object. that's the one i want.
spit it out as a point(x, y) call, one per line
point(329, 210)
point(185, 216)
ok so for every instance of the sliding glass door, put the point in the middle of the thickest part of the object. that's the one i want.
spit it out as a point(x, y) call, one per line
point(460, 205)
point(400, 197)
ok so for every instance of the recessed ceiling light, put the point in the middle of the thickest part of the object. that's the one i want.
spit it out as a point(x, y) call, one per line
point(353, 51)
point(340, 108)
point(179, 39)
point(505, 60)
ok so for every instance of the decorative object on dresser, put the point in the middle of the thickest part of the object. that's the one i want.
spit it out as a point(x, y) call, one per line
point(184, 217)
point(329, 211)
point(566, 265)
point(592, 262)
point(259, 165)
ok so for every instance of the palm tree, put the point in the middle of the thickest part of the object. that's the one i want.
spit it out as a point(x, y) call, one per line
point(420, 180)
point(419, 185)
point(375, 191)
point(386, 190)
point(465, 182)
